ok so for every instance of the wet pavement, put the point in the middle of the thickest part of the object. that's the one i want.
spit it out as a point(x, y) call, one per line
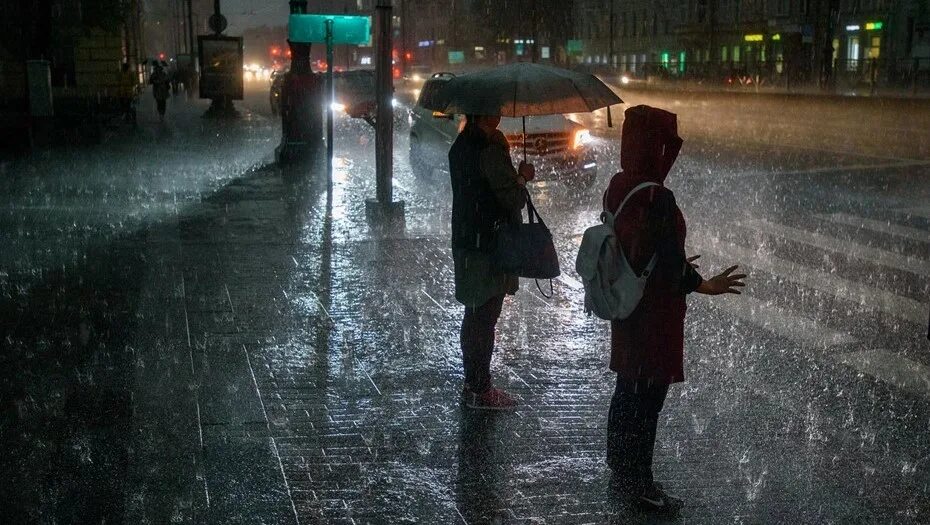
point(192, 334)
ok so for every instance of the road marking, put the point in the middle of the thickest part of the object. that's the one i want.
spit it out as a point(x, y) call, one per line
point(888, 227)
point(780, 321)
point(868, 297)
point(890, 368)
point(917, 212)
point(441, 307)
point(570, 282)
point(845, 247)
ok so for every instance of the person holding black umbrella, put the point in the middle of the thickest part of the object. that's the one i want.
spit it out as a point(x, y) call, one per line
point(486, 192)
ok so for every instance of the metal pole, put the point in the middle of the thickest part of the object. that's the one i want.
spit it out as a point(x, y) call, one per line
point(330, 87)
point(612, 18)
point(403, 37)
point(177, 28)
point(190, 35)
point(384, 123)
point(535, 35)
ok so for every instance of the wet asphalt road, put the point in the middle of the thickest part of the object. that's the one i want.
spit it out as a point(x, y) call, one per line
point(194, 335)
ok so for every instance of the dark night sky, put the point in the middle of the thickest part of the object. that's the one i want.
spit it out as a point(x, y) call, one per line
point(243, 14)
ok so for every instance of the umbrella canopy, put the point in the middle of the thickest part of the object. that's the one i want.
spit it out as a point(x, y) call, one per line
point(522, 89)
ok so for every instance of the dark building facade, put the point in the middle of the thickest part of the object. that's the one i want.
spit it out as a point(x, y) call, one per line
point(814, 41)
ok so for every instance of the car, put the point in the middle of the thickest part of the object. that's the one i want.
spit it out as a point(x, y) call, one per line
point(274, 95)
point(559, 147)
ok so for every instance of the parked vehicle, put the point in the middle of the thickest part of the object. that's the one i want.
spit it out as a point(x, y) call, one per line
point(557, 146)
point(277, 84)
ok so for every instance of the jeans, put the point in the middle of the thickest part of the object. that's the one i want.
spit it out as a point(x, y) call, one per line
point(631, 430)
point(477, 338)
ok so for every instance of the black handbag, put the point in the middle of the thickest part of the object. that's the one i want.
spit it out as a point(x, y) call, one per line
point(526, 249)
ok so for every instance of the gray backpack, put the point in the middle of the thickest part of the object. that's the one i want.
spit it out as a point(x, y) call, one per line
point(611, 287)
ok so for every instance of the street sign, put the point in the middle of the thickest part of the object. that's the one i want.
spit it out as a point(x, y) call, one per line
point(217, 23)
point(574, 47)
point(347, 29)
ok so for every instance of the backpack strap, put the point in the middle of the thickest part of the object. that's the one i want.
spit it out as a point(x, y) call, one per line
point(628, 195)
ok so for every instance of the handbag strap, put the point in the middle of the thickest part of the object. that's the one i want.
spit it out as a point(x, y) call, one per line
point(551, 292)
point(531, 210)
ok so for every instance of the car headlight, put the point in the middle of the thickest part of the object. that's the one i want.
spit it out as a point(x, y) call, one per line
point(582, 137)
point(337, 107)
point(416, 77)
point(624, 79)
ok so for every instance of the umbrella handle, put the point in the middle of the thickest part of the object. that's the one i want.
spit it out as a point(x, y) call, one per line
point(610, 121)
point(524, 139)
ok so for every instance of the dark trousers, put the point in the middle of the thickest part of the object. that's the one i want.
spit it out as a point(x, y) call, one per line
point(160, 103)
point(477, 338)
point(631, 430)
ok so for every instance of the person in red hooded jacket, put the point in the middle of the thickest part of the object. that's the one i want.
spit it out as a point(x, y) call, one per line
point(647, 348)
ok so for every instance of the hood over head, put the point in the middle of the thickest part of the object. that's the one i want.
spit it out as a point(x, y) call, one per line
point(649, 143)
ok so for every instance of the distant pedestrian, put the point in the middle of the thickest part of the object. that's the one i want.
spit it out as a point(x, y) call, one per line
point(160, 88)
point(647, 348)
point(486, 191)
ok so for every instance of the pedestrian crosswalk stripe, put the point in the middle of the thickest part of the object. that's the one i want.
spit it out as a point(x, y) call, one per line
point(887, 228)
point(767, 315)
point(846, 247)
point(862, 294)
point(890, 368)
point(574, 284)
point(917, 212)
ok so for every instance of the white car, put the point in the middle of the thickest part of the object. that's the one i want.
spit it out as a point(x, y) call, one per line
point(557, 146)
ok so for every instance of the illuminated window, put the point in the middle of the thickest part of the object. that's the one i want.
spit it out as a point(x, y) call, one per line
point(852, 53)
point(875, 46)
point(736, 53)
point(723, 53)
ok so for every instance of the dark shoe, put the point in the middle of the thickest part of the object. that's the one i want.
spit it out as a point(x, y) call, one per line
point(490, 399)
point(655, 499)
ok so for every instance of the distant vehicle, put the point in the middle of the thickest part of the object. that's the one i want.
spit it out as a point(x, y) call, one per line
point(416, 74)
point(557, 146)
point(277, 84)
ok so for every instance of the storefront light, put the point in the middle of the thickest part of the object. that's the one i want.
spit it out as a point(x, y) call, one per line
point(776, 37)
point(754, 38)
point(873, 26)
point(854, 27)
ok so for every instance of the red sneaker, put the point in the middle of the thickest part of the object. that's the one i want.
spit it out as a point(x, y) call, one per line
point(491, 399)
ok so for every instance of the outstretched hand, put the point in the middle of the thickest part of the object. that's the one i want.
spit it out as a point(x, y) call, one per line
point(725, 282)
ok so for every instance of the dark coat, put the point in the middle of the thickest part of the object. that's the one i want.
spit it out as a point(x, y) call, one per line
point(649, 344)
point(485, 192)
point(160, 84)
